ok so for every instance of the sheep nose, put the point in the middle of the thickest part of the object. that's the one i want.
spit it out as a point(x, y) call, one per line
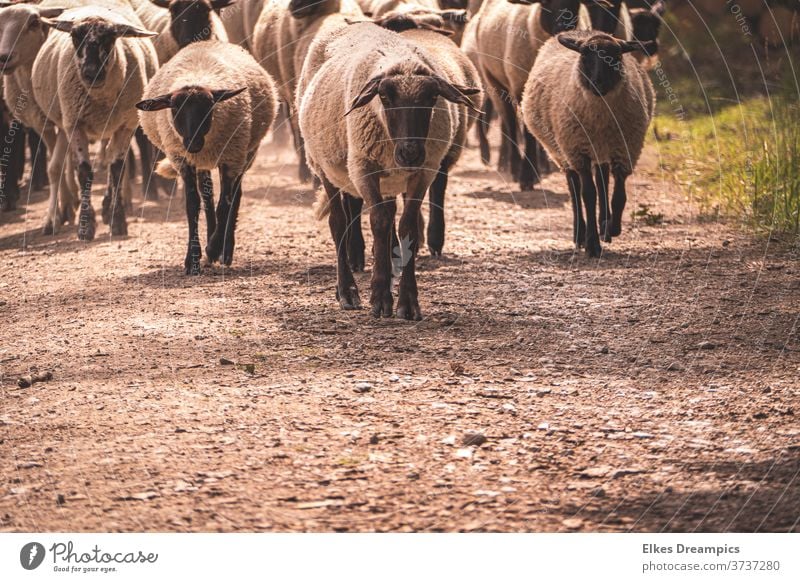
point(409, 153)
point(4, 58)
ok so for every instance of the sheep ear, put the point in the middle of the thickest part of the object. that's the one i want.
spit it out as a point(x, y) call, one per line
point(366, 94)
point(128, 31)
point(155, 104)
point(225, 94)
point(62, 25)
point(647, 47)
point(161, 3)
point(218, 5)
point(457, 94)
point(659, 8)
point(527, 2)
point(571, 43)
point(50, 12)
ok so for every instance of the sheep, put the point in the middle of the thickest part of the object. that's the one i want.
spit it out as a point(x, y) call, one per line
point(376, 149)
point(22, 33)
point(508, 36)
point(181, 22)
point(589, 103)
point(640, 24)
point(283, 35)
point(87, 76)
point(240, 21)
point(427, 32)
point(209, 107)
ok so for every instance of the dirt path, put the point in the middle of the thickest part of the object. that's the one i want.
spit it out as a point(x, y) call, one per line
point(654, 389)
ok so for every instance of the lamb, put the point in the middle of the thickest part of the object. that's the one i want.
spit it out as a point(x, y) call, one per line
point(508, 37)
point(589, 102)
point(209, 107)
point(376, 149)
point(282, 37)
point(87, 76)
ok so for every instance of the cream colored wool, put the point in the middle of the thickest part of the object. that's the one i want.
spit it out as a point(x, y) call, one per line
point(572, 123)
point(346, 149)
point(239, 124)
point(266, 41)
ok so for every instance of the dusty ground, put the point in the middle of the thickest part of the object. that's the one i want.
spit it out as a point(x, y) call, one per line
point(653, 390)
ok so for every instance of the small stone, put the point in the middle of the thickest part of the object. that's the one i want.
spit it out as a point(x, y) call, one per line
point(362, 387)
point(603, 350)
point(394, 378)
point(544, 426)
point(373, 440)
point(572, 523)
point(226, 362)
point(674, 367)
point(596, 472)
point(60, 500)
point(473, 438)
point(706, 345)
point(464, 453)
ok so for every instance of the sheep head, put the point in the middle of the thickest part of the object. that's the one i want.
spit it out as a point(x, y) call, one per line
point(647, 24)
point(304, 8)
point(191, 20)
point(94, 38)
point(601, 66)
point(556, 15)
point(22, 33)
point(407, 102)
point(192, 111)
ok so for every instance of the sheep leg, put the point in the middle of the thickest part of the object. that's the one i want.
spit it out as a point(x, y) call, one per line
point(589, 195)
point(509, 135)
point(58, 145)
point(223, 240)
point(482, 129)
point(303, 171)
point(13, 163)
point(38, 153)
point(207, 193)
point(118, 150)
point(149, 188)
point(409, 231)
point(578, 224)
point(618, 200)
point(80, 149)
point(601, 178)
point(529, 171)
point(381, 219)
point(355, 238)
point(339, 223)
point(436, 223)
point(69, 198)
point(191, 263)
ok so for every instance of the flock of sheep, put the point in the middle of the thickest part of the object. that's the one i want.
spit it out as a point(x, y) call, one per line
point(379, 96)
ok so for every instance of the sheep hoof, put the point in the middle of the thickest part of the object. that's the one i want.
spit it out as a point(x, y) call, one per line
point(593, 248)
point(119, 227)
point(106, 209)
point(48, 228)
point(409, 310)
point(87, 224)
point(8, 203)
point(193, 268)
point(382, 303)
point(213, 250)
point(348, 298)
point(616, 228)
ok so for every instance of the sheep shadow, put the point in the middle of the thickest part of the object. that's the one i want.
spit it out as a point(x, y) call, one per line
point(539, 198)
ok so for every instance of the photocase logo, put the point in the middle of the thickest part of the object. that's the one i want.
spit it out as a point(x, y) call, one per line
point(32, 555)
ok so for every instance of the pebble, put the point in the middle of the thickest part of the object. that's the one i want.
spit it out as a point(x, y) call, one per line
point(473, 438)
point(362, 387)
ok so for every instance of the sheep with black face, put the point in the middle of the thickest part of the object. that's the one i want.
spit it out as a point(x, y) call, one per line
point(506, 38)
point(208, 108)
point(87, 77)
point(378, 117)
point(589, 102)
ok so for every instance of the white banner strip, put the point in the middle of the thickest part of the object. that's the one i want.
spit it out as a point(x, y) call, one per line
point(401, 557)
